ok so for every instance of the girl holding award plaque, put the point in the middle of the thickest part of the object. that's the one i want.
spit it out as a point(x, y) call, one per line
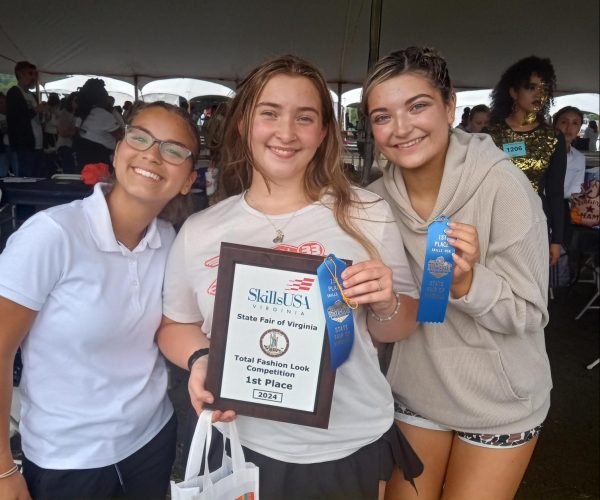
point(472, 389)
point(283, 174)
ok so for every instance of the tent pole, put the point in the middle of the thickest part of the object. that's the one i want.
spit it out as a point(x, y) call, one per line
point(339, 106)
point(374, 42)
point(135, 87)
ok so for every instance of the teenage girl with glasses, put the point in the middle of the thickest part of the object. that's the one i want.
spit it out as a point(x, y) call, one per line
point(80, 291)
point(284, 174)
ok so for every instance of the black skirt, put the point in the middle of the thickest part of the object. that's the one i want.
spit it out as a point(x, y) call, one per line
point(355, 477)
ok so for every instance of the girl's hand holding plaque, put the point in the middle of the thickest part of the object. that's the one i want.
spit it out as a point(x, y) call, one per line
point(199, 396)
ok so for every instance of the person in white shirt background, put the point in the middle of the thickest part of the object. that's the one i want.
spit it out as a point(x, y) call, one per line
point(99, 130)
point(568, 120)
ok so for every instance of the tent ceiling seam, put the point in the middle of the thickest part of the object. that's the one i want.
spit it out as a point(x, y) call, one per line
point(3, 31)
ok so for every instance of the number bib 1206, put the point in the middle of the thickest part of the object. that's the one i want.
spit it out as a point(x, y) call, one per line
point(515, 149)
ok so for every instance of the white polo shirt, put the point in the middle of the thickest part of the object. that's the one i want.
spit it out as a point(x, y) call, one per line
point(94, 384)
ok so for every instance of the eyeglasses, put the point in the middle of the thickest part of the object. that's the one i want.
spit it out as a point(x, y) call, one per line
point(142, 140)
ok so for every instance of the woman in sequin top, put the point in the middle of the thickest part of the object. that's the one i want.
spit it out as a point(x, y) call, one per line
point(520, 104)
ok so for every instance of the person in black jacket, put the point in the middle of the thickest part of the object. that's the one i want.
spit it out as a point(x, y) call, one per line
point(23, 112)
point(4, 155)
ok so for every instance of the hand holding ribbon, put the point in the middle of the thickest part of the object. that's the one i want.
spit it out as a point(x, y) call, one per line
point(465, 240)
point(370, 282)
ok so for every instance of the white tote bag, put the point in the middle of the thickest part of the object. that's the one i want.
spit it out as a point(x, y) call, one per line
point(236, 479)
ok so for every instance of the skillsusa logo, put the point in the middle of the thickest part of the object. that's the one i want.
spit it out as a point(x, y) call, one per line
point(277, 298)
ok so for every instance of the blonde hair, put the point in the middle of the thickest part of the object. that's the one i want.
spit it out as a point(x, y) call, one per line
point(324, 174)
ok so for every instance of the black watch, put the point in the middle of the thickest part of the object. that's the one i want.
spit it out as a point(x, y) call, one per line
point(196, 355)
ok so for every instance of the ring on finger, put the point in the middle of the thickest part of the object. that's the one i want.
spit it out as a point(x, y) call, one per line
point(379, 286)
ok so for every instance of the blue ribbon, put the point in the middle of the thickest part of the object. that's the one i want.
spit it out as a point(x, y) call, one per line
point(338, 315)
point(437, 273)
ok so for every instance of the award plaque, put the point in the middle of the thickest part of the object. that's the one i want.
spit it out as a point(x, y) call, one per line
point(269, 351)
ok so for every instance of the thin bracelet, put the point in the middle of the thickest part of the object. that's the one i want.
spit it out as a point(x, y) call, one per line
point(383, 319)
point(10, 472)
point(196, 355)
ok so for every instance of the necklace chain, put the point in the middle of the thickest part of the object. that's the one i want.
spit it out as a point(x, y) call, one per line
point(279, 235)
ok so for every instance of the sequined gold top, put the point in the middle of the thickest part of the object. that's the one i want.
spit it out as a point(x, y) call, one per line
point(539, 144)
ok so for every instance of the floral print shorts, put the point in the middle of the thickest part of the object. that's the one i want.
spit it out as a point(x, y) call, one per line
point(405, 415)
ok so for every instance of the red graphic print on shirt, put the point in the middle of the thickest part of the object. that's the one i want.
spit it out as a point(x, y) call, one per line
point(309, 248)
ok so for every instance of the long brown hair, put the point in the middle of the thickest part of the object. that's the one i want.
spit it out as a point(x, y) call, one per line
point(324, 174)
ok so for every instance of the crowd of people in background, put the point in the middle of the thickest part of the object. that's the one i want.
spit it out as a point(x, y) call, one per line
point(39, 139)
point(64, 134)
point(547, 151)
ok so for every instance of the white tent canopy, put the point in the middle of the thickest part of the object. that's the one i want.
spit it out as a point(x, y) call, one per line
point(120, 90)
point(588, 103)
point(221, 40)
point(351, 97)
point(188, 88)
